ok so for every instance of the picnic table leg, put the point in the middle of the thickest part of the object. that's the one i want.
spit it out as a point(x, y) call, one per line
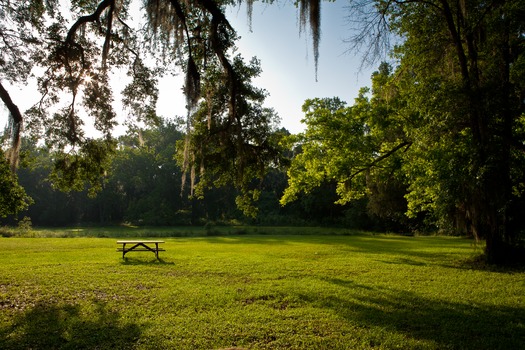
point(141, 246)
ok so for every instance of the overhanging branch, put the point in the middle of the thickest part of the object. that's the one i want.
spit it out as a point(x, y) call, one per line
point(379, 159)
point(95, 16)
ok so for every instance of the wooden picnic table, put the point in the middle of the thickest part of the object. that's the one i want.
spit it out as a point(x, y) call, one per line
point(140, 246)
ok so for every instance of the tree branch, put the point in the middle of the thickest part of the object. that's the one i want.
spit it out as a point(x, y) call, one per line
point(192, 83)
point(11, 106)
point(381, 158)
point(218, 18)
point(16, 126)
point(105, 49)
point(95, 16)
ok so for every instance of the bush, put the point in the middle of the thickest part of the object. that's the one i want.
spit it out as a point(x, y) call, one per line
point(25, 224)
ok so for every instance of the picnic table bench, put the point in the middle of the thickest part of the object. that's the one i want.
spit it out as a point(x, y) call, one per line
point(140, 246)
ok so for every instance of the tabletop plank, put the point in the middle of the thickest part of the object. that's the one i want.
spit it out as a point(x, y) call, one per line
point(122, 242)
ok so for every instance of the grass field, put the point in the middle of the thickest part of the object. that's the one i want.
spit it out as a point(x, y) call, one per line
point(258, 292)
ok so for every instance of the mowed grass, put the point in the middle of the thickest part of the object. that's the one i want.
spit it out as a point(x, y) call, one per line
point(258, 292)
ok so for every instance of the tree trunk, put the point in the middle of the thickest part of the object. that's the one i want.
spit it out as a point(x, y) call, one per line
point(500, 238)
point(16, 121)
point(491, 127)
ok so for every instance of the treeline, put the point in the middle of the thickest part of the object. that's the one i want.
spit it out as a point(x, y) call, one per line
point(144, 187)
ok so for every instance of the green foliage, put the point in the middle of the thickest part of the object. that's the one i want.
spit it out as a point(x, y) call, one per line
point(21, 25)
point(456, 74)
point(440, 137)
point(140, 96)
point(87, 166)
point(444, 130)
point(359, 148)
point(13, 198)
point(328, 125)
point(145, 180)
point(142, 186)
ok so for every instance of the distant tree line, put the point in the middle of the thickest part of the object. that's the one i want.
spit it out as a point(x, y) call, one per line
point(143, 187)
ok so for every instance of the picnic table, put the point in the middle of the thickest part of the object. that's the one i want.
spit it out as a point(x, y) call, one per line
point(140, 246)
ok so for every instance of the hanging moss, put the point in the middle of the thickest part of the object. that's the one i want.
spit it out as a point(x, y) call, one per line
point(310, 15)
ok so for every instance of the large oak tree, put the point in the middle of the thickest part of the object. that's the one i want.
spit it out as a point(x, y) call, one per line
point(453, 111)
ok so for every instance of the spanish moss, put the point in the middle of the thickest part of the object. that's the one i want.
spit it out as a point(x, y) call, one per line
point(310, 12)
point(249, 12)
point(192, 87)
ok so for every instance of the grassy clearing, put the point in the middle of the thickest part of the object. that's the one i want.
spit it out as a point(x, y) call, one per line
point(258, 292)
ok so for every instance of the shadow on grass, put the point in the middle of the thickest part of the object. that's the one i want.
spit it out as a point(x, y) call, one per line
point(446, 324)
point(403, 261)
point(139, 261)
point(479, 263)
point(53, 326)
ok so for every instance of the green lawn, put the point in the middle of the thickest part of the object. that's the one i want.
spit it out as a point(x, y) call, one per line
point(258, 292)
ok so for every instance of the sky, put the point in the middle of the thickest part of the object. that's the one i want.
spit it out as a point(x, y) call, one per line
point(287, 62)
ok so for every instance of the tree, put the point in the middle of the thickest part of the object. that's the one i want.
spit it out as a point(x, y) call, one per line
point(460, 90)
point(459, 63)
point(231, 151)
point(145, 179)
point(21, 27)
point(50, 206)
point(13, 198)
point(361, 148)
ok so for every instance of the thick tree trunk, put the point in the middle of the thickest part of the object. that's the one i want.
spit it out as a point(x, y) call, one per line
point(501, 238)
point(491, 189)
point(491, 127)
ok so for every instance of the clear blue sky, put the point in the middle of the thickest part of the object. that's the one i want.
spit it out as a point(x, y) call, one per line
point(288, 62)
